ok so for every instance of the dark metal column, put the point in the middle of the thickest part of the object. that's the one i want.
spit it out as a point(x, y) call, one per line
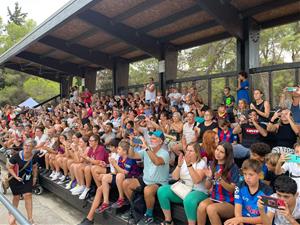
point(167, 67)
point(120, 77)
point(90, 80)
point(248, 48)
point(65, 85)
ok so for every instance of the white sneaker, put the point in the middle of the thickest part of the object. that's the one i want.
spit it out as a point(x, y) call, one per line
point(62, 178)
point(52, 174)
point(84, 193)
point(79, 190)
point(55, 176)
point(69, 184)
point(74, 188)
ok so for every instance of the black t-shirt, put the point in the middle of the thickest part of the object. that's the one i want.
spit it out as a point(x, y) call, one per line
point(227, 100)
point(250, 134)
point(285, 136)
point(17, 160)
point(204, 128)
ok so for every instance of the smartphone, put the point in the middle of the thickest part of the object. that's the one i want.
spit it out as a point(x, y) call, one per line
point(137, 141)
point(272, 202)
point(291, 89)
point(141, 117)
point(293, 158)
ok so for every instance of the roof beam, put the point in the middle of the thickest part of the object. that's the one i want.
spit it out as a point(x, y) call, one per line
point(83, 35)
point(69, 68)
point(205, 40)
point(80, 51)
point(189, 30)
point(31, 72)
point(280, 21)
point(136, 9)
point(129, 35)
point(265, 7)
point(106, 44)
point(170, 19)
point(225, 14)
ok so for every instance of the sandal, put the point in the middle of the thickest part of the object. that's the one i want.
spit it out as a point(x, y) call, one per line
point(166, 222)
point(31, 222)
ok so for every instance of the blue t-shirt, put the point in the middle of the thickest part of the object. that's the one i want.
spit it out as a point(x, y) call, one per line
point(130, 166)
point(155, 174)
point(248, 201)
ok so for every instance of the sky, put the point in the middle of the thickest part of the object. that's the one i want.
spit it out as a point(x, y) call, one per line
point(38, 10)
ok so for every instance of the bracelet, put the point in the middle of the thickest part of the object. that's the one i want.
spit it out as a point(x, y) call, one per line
point(189, 165)
point(272, 122)
point(179, 166)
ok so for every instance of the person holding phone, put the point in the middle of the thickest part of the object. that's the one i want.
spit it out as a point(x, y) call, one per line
point(285, 130)
point(24, 175)
point(284, 165)
point(287, 214)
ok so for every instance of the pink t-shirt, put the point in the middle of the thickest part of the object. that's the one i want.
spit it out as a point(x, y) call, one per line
point(99, 154)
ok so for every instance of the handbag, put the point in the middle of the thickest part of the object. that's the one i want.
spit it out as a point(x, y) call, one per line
point(181, 189)
point(8, 177)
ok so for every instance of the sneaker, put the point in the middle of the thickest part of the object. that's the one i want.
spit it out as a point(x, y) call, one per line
point(55, 176)
point(52, 174)
point(118, 204)
point(146, 220)
point(74, 188)
point(68, 185)
point(126, 215)
point(84, 193)
point(62, 178)
point(74, 183)
point(79, 190)
point(86, 221)
point(102, 208)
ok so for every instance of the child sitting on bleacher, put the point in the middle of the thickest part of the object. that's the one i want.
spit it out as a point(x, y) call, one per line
point(246, 195)
point(258, 151)
point(284, 165)
point(288, 201)
point(221, 179)
point(125, 168)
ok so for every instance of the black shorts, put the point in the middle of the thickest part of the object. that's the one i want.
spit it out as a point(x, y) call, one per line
point(142, 183)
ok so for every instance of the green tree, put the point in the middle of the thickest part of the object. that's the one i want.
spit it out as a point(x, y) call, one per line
point(40, 89)
point(17, 16)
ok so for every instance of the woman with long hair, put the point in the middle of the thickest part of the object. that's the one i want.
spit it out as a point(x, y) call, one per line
point(209, 145)
point(222, 177)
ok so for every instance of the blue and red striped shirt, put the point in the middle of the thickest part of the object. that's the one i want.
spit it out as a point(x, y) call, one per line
point(218, 192)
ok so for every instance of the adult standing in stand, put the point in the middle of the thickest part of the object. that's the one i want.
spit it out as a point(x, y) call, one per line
point(22, 167)
point(150, 92)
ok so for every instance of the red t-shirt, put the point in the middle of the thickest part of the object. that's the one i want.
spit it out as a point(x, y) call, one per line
point(99, 154)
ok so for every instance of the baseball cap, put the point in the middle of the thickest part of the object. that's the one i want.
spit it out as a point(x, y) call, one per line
point(158, 133)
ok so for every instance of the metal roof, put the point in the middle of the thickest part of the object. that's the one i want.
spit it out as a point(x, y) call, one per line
point(93, 34)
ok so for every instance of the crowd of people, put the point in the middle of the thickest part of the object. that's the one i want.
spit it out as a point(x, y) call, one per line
point(225, 166)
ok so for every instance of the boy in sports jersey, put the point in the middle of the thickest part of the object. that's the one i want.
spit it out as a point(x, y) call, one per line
point(289, 214)
point(246, 195)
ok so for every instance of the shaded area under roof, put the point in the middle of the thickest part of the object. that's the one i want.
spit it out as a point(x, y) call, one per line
point(93, 34)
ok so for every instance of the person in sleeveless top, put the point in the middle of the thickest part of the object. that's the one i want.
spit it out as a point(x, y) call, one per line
point(261, 106)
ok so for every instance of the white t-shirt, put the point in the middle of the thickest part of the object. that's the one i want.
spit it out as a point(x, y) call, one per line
point(150, 95)
point(174, 98)
point(116, 157)
point(281, 220)
point(186, 177)
point(188, 132)
point(294, 171)
point(43, 138)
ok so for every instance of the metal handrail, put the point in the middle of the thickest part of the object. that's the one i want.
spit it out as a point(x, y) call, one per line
point(14, 211)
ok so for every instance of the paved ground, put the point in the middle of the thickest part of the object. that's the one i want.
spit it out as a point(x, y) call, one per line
point(47, 209)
